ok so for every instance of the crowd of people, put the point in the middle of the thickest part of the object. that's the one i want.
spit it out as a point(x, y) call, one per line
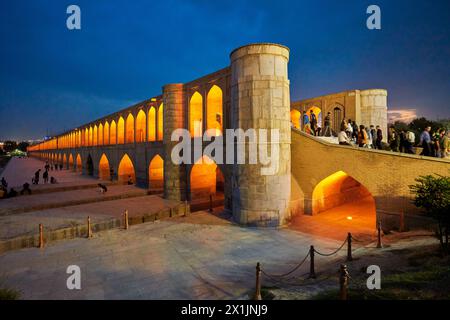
point(4, 193)
point(435, 144)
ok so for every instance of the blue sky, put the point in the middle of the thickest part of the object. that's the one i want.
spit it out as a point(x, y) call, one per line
point(53, 79)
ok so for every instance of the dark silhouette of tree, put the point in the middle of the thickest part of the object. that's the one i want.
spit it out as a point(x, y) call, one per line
point(23, 146)
point(10, 146)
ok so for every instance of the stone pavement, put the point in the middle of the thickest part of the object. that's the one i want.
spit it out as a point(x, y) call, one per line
point(200, 256)
point(27, 223)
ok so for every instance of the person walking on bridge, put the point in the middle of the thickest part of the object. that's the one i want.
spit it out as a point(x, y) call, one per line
point(425, 142)
point(327, 124)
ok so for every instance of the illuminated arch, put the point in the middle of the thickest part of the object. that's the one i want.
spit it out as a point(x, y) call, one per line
point(95, 136)
point(317, 112)
point(156, 173)
point(296, 118)
point(214, 110)
point(79, 164)
point(152, 124)
point(103, 168)
point(342, 196)
point(100, 134)
point(126, 170)
point(206, 178)
point(91, 140)
point(120, 131)
point(140, 126)
point(106, 133)
point(196, 115)
point(160, 122)
point(64, 160)
point(129, 137)
point(113, 133)
point(71, 164)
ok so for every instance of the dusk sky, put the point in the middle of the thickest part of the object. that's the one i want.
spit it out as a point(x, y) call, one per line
point(53, 79)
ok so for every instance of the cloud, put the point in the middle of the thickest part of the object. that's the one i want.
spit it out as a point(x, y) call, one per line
point(403, 115)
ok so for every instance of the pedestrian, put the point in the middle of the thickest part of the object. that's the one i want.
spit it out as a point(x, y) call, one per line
point(410, 140)
point(349, 129)
point(47, 166)
point(442, 142)
point(373, 133)
point(4, 183)
point(327, 125)
point(53, 180)
point(36, 176)
point(102, 188)
point(362, 137)
point(369, 137)
point(130, 180)
point(25, 188)
point(313, 121)
point(12, 193)
point(393, 139)
point(425, 142)
point(45, 176)
point(379, 140)
point(60, 166)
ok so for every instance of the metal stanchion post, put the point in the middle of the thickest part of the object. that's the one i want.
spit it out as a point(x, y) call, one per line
point(125, 217)
point(343, 281)
point(379, 245)
point(349, 247)
point(258, 283)
point(312, 273)
point(210, 203)
point(89, 229)
point(41, 236)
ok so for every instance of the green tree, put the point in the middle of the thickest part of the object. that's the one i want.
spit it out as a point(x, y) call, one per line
point(432, 194)
point(10, 146)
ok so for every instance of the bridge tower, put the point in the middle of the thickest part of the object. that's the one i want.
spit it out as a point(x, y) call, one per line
point(260, 100)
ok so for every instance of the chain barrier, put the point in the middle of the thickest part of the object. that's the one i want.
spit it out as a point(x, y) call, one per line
point(332, 253)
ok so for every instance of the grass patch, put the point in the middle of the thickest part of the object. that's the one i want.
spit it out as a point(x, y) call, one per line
point(9, 294)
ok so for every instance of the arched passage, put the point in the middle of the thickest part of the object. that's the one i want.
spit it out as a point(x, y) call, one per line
point(106, 133)
point(100, 134)
point(156, 173)
point(295, 118)
point(140, 126)
point(91, 135)
point(79, 165)
point(196, 115)
point(103, 168)
point(160, 122)
point(152, 124)
point(71, 164)
point(214, 110)
point(126, 174)
point(206, 179)
point(344, 200)
point(120, 131)
point(113, 133)
point(64, 160)
point(129, 137)
point(318, 113)
point(95, 136)
point(89, 166)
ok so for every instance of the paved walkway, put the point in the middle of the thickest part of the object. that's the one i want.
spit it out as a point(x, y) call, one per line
point(197, 257)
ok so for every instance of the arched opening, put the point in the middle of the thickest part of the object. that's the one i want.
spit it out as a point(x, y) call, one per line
point(90, 136)
point(337, 119)
point(295, 118)
point(156, 174)
point(86, 137)
point(126, 173)
point(206, 179)
point(318, 117)
point(95, 136)
point(120, 131)
point(196, 115)
point(160, 122)
point(140, 126)
point(214, 110)
point(113, 133)
point(103, 168)
point(343, 201)
point(79, 165)
point(89, 166)
point(64, 161)
point(106, 133)
point(100, 134)
point(129, 137)
point(71, 164)
point(152, 124)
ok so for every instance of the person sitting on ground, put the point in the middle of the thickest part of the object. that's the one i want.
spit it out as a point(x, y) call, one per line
point(103, 188)
point(25, 188)
point(12, 193)
point(130, 180)
point(53, 180)
point(4, 183)
point(342, 136)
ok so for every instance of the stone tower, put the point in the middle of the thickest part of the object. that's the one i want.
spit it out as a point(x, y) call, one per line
point(260, 100)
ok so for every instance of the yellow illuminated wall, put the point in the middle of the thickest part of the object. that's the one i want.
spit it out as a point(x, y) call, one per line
point(196, 115)
point(126, 170)
point(295, 118)
point(95, 136)
point(203, 178)
point(90, 136)
point(156, 173)
point(152, 124)
point(71, 161)
point(317, 111)
point(103, 168)
point(120, 131)
point(106, 133)
point(113, 133)
point(140, 126)
point(214, 110)
point(64, 160)
point(160, 121)
point(129, 137)
point(100, 134)
point(79, 164)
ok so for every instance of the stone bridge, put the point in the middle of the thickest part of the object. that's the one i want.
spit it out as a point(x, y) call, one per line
point(134, 145)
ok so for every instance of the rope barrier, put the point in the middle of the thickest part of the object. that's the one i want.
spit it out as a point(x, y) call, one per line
point(293, 270)
point(332, 253)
